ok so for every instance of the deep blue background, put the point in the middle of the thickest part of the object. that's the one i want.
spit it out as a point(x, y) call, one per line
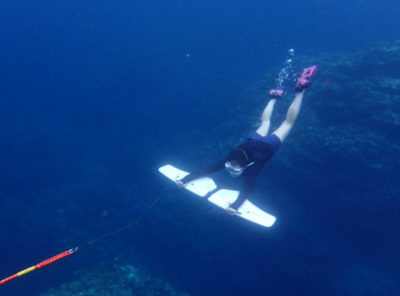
point(95, 95)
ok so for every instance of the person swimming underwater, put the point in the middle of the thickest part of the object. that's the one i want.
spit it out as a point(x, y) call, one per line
point(249, 158)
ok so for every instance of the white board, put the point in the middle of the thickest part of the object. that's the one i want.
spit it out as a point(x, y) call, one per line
point(199, 187)
point(222, 198)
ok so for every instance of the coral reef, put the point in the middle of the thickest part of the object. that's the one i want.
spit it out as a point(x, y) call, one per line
point(355, 104)
point(348, 122)
point(114, 279)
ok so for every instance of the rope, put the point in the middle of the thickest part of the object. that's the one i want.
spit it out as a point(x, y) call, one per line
point(99, 239)
point(130, 225)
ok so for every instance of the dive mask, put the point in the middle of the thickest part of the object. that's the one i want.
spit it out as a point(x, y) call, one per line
point(234, 169)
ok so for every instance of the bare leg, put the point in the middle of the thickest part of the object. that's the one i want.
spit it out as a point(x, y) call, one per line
point(291, 115)
point(266, 118)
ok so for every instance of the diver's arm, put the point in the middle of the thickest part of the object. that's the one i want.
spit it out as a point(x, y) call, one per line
point(245, 192)
point(248, 185)
point(201, 173)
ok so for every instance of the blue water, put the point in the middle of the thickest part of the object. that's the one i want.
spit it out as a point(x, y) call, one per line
point(96, 95)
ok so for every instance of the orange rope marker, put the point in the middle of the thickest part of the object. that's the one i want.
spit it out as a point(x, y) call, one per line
point(39, 265)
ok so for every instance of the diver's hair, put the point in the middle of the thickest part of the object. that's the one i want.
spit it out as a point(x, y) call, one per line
point(239, 155)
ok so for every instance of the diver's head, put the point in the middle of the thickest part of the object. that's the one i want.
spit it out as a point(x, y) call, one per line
point(237, 162)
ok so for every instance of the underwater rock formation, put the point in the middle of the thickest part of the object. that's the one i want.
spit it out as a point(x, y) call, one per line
point(352, 116)
point(114, 280)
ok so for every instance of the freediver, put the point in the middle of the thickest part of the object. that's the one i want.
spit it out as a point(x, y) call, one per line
point(248, 159)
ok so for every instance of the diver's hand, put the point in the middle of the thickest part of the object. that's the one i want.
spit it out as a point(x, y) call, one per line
point(231, 211)
point(180, 183)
